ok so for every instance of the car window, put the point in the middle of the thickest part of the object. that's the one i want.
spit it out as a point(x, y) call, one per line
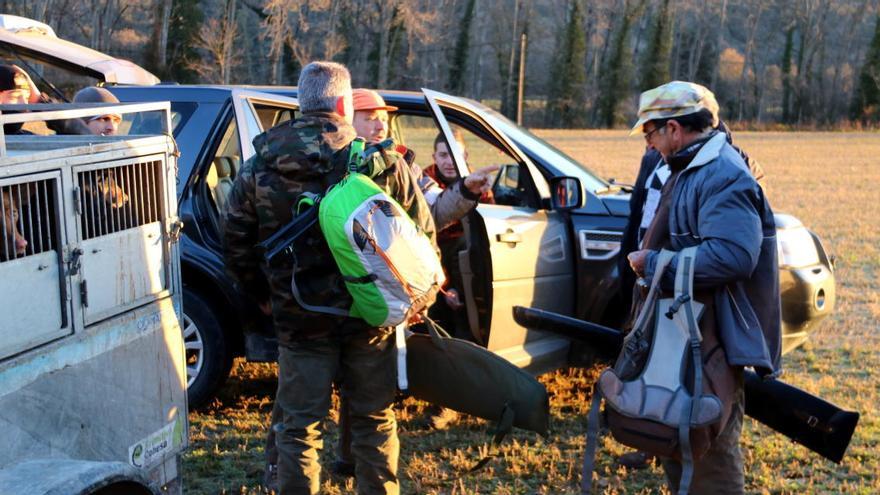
point(257, 112)
point(254, 127)
point(270, 116)
point(224, 168)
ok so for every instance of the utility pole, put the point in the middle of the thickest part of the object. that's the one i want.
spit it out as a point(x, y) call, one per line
point(508, 90)
point(520, 87)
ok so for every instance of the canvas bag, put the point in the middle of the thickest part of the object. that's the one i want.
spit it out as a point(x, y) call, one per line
point(471, 379)
point(467, 378)
point(390, 267)
point(650, 403)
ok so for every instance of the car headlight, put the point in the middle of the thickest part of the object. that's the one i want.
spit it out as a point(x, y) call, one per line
point(796, 247)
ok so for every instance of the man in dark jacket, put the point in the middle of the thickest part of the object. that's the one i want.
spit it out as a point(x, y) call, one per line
point(711, 201)
point(653, 173)
point(306, 156)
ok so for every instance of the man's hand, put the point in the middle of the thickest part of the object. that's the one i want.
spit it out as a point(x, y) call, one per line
point(452, 299)
point(480, 181)
point(35, 96)
point(637, 261)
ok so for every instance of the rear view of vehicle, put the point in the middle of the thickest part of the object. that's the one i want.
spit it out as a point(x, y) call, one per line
point(92, 368)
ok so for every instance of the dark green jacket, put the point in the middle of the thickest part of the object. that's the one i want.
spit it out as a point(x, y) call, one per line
point(305, 155)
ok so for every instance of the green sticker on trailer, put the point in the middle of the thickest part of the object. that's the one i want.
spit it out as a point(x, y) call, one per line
point(155, 447)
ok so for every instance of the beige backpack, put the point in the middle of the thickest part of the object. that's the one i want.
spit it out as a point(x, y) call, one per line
point(650, 397)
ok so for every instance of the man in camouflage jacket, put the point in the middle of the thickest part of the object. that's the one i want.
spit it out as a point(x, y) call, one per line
point(309, 155)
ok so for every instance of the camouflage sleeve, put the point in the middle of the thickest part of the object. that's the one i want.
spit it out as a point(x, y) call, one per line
point(241, 233)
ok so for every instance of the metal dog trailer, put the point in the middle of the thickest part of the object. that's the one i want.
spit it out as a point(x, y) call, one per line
point(92, 363)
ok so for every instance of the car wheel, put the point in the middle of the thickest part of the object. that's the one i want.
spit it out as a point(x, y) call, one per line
point(208, 357)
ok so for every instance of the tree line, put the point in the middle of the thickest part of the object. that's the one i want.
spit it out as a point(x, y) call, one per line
point(799, 63)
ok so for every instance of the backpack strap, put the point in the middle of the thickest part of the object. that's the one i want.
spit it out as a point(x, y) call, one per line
point(684, 284)
point(306, 200)
point(592, 441)
point(663, 259)
point(502, 428)
point(355, 154)
point(400, 344)
point(294, 289)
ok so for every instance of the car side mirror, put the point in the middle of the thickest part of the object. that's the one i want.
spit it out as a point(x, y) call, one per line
point(566, 193)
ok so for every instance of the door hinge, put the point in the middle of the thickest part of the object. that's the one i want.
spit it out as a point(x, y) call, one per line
point(84, 293)
point(174, 230)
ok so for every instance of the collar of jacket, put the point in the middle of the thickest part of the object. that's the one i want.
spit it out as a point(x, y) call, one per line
point(710, 151)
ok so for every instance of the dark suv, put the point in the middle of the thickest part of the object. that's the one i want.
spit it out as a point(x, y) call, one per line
point(520, 250)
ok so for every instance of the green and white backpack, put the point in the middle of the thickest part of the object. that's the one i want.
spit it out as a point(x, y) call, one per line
point(390, 267)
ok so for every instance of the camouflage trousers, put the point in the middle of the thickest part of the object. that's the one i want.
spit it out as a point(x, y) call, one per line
point(305, 378)
point(720, 471)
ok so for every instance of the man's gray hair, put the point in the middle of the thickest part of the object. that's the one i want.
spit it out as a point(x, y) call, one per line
point(321, 84)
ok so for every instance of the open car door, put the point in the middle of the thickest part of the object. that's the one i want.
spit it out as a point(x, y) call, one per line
point(256, 112)
point(253, 113)
point(518, 251)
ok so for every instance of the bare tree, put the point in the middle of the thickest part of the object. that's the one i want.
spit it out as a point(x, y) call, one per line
point(755, 8)
point(102, 19)
point(719, 39)
point(217, 38)
point(161, 23)
point(277, 31)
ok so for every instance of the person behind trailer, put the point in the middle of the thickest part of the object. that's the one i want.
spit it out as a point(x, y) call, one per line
point(107, 187)
point(17, 88)
point(100, 125)
point(711, 200)
point(308, 154)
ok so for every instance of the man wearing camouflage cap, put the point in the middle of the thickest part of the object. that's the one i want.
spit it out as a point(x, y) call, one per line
point(712, 201)
point(307, 156)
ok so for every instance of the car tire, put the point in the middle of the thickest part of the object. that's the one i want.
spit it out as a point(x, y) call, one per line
point(208, 356)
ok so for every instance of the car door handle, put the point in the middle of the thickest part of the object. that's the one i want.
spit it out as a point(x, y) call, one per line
point(510, 236)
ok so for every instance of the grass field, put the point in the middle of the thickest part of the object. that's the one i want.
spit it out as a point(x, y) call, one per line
point(828, 180)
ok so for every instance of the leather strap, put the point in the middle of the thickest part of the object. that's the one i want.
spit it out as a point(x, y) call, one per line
point(592, 441)
point(684, 283)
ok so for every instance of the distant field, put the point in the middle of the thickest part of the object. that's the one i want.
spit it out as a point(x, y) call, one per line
point(828, 180)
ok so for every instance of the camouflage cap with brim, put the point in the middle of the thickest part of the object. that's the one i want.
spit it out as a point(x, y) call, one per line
point(675, 99)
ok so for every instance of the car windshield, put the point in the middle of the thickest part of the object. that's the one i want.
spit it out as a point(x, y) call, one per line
point(562, 162)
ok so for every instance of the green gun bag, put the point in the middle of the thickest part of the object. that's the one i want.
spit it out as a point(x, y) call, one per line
point(465, 377)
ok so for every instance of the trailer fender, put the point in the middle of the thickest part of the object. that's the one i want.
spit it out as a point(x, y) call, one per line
point(74, 477)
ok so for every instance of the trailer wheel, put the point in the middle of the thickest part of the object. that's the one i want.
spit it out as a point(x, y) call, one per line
point(208, 356)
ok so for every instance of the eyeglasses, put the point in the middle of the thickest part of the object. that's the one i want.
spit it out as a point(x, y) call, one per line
point(648, 134)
